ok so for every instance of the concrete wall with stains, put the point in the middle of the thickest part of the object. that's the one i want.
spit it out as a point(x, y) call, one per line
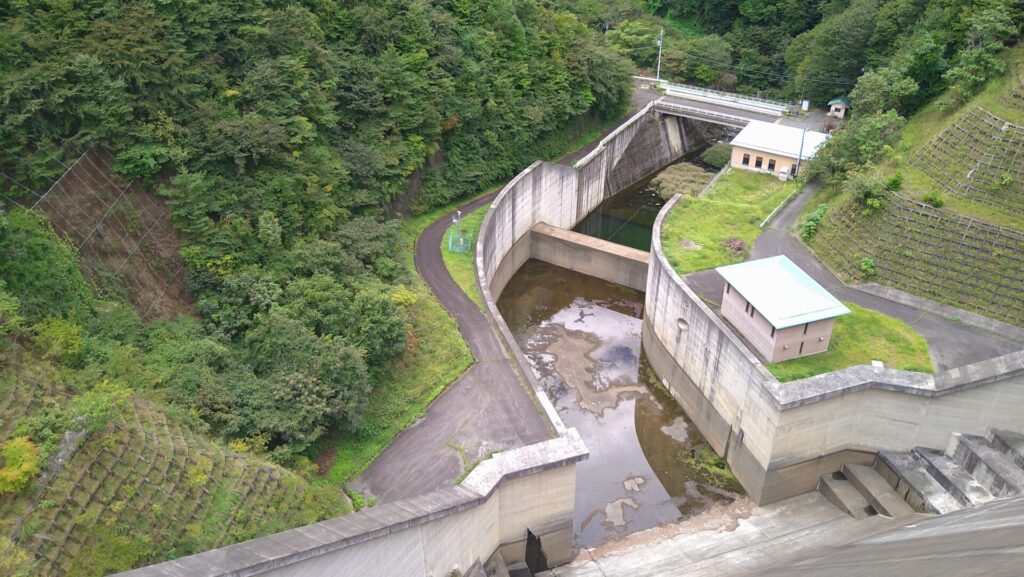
point(529, 488)
point(779, 438)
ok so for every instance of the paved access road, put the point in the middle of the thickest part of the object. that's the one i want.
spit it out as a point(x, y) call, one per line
point(488, 408)
point(951, 344)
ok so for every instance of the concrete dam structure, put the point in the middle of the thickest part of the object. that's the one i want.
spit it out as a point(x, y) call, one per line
point(516, 509)
point(780, 438)
point(561, 196)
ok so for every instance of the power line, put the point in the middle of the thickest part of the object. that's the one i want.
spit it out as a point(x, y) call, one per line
point(740, 70)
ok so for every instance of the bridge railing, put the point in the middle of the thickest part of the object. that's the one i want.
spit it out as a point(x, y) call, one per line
point(711, 95)
point(701, 113)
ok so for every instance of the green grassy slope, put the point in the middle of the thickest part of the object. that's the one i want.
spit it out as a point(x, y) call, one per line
point(968, 253)
point(926, 126)
point(695, 234)
point(143, 489)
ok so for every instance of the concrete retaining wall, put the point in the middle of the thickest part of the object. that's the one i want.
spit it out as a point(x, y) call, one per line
point(780, 437)
point(530, 488)
point(562, 196)
point(591, 256)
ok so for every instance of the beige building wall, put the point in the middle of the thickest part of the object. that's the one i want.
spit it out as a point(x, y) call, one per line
point(814, 337)
point(779, 345)
point(781, 161)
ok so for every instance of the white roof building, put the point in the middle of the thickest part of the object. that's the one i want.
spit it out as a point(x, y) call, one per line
point(780, 140)
point(779, 308)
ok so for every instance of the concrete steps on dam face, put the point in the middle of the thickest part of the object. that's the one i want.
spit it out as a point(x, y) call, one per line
point(843, 494)
point(973, 470)
point(879, 494)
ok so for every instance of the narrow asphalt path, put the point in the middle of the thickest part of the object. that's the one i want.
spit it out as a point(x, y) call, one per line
point(951, 344)
point(489, 408)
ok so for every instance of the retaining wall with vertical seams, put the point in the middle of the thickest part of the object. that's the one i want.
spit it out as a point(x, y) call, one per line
point(779, 438)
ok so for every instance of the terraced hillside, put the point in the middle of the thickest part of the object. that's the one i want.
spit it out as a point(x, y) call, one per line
point(935, 253)
point(969, 251)
point(143, 489)
point(980, 158)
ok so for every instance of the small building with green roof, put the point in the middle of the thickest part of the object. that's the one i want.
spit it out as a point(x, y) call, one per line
point(838, 107)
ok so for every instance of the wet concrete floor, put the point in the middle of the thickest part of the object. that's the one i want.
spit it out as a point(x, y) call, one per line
point(648, 464)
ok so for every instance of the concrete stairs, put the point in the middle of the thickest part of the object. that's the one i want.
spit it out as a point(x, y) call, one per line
point(973, 470)
point(861, 492)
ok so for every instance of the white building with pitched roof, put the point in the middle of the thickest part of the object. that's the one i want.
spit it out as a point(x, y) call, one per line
point(778, 308)
point(774, 148)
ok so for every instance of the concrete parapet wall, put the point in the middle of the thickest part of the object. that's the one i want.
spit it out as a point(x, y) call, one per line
point(562, 196)
point(529, 488)
point(591, 256)
point(780, 437)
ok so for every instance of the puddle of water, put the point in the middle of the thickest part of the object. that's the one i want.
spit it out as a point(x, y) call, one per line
point(648, 464)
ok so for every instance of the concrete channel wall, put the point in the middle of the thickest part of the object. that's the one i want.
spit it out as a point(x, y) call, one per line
point(598, 258)
point(529, 488)
point(778, 438)
point(562, 196)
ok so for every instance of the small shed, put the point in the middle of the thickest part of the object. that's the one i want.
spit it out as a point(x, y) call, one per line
point(838, 107)
point(774, 148)
point(778, 308)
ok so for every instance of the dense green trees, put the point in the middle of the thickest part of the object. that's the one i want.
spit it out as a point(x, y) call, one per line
point(815, 50)
point(280, 134)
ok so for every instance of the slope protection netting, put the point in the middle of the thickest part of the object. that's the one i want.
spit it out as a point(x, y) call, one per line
point(980, 158)
point(1014, 97)
point(960, 261)
point(123, 233)
point(148, 478)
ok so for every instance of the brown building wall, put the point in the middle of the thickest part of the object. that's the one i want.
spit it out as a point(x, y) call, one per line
point(781, 345)
point(780, 160)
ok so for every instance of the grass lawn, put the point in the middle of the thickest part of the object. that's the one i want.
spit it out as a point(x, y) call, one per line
point(695, 233)
point(462, 266)
point(857, 339)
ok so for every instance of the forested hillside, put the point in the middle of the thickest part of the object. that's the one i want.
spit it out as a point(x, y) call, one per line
point(283, 136)
point(279, 134)
point(813, 49)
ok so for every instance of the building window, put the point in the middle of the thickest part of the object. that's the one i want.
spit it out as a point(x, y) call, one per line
point(758, 162)
point(751, 311)
point(746, 308)
point(728, 288)
point(805, 327)
point(792, 171)
point(746, 160)
point(771, 165)
point(773, 332)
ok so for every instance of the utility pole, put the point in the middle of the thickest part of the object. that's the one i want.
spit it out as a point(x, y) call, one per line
point(661, 40)
point(800, 156)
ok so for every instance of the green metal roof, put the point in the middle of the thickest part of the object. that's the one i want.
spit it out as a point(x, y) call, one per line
point(840, 100)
